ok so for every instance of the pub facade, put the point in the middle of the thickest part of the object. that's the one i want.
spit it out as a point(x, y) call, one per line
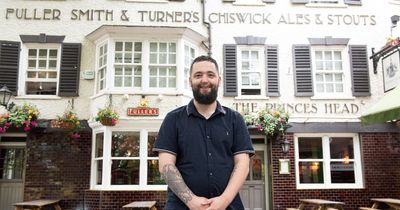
point(309, 58)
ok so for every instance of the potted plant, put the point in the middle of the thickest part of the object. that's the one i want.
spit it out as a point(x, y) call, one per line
point(24, 116)
point(107, 116)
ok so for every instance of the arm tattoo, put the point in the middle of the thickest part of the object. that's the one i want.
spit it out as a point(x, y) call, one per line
point(174, 179)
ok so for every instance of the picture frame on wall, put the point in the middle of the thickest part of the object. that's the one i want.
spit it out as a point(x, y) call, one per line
point(391, 70)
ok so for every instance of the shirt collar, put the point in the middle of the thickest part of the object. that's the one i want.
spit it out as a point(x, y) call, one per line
point(191, 109)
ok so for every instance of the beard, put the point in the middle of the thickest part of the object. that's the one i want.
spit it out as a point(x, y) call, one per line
point(207, 98)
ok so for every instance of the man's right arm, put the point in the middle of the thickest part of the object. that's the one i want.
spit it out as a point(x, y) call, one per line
point(175, 182)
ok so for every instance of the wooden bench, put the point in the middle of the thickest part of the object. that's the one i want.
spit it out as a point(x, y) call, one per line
point(141, 205)
point(37, 204)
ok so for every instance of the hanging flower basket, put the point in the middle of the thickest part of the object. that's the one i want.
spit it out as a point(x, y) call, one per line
point(107, 116)
point(107, 121)
point(24, 116)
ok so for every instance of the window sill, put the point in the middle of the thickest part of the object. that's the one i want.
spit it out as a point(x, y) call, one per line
point(312, 187)
point(333, 98)
point(251, 98)
point(326, 5)
point(39, 97)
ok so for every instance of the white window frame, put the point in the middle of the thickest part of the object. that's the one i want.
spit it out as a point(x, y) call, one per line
point(358, 174)
point(326, 3)
point(261, 52)
point(346, 72)
point(98, 67)
point(23, 71)
point(163, 65)
point(186, 75)
point(107, 159)
point(123, 65)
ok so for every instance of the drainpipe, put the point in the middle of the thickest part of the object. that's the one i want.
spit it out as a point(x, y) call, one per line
point(208, 25)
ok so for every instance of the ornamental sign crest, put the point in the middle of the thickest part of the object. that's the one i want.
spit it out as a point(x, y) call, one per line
point(143, 109)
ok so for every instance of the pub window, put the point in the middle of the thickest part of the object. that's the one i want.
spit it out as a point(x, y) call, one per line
point(190, 55)
point(128, 64)
point(162, 65)
point(128, 163)
point(42, 72)
point(102, 67)
point(328, 161)
point(330, 71)
point(251, 70)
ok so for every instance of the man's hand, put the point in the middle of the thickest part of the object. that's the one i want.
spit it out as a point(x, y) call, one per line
point(198, 203)
point(218, 203)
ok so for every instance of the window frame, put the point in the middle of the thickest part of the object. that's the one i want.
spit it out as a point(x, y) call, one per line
point(143, 157)
point(186, 76)
point(263, 82)
point(98, 67)
point(346, 78)
point(23, 71)
point(358, 172)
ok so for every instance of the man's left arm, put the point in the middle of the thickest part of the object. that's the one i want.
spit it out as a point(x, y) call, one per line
point(238, 176)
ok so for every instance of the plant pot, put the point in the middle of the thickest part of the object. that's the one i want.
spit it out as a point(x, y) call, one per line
point(107, 122)
point(67, 125)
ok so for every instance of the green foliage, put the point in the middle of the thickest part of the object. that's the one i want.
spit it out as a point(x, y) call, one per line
point(269, 121)
point(24, 116)
point(107, 113)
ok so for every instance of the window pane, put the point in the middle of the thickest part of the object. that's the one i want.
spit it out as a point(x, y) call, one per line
point(42, 64)
point(162, 82)
point(320, 65)
point(153, 47)
point(329, 88)
point(172, 47)
point(138, 70)
point(257, 165)
point(11, 163)
point(99, 175)
point(245, 65)
point(118, 58)
point(328, 55)
point(153, 71)
point(138, 46)
point(118, 46)
point(254, 55)
point(128, 82)
point(42, 74)
point(41, 88)
point(125, 144)
point(151, 139)
point(137, 82)
point(31, 63)
point(328, 77)
point(337, 55)
point(153, 58)
point(53, 53)
point(338, 65)
point(245, 79)
point(42, 53)
point(99, 145)
point(172, 71)
point(52, 75)
point(245, 55)
point(153, 82)
point(342, 172)
point(128, 58)
point(339, 88)
point(31, 74)
point(162, 71)
point(32, 53)
point(171, 82)
point(52, 64)
point(128, 46)
point(310, 148)
point(128, 71)
point(163, 58)
point(172, 59)
point(118, 81)
point(318, 55)
point(338, 78)
point(163, 47)
point(320, 88)
point(329, 65)
point(118, 71)
point(138, 58)
point(311, 172)
point(341, 148)
point(153, 174)
point(125, 172)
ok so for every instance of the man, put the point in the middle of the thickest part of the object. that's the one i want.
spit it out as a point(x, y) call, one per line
point(204, 148)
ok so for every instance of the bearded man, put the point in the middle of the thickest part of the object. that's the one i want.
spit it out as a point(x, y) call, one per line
point(204, 148)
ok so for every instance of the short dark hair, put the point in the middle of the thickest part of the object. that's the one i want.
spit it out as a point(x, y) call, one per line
point(204, 58)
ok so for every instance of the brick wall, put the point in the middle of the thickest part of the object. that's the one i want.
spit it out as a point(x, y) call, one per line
point(381, 167)
point(58, 167)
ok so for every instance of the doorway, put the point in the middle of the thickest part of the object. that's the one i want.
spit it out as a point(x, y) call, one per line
point(12, 170)
point(255, 192)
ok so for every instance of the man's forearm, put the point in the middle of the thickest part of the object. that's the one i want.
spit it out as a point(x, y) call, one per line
point(174, 180)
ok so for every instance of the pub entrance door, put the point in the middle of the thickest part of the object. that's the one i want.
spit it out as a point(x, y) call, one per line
point(255, 192)
point(12, 169)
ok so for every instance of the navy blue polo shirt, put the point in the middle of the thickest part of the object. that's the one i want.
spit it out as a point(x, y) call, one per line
point(204, 149)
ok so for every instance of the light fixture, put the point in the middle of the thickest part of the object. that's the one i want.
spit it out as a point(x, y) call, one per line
point(285, 144)
point(5, 95)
